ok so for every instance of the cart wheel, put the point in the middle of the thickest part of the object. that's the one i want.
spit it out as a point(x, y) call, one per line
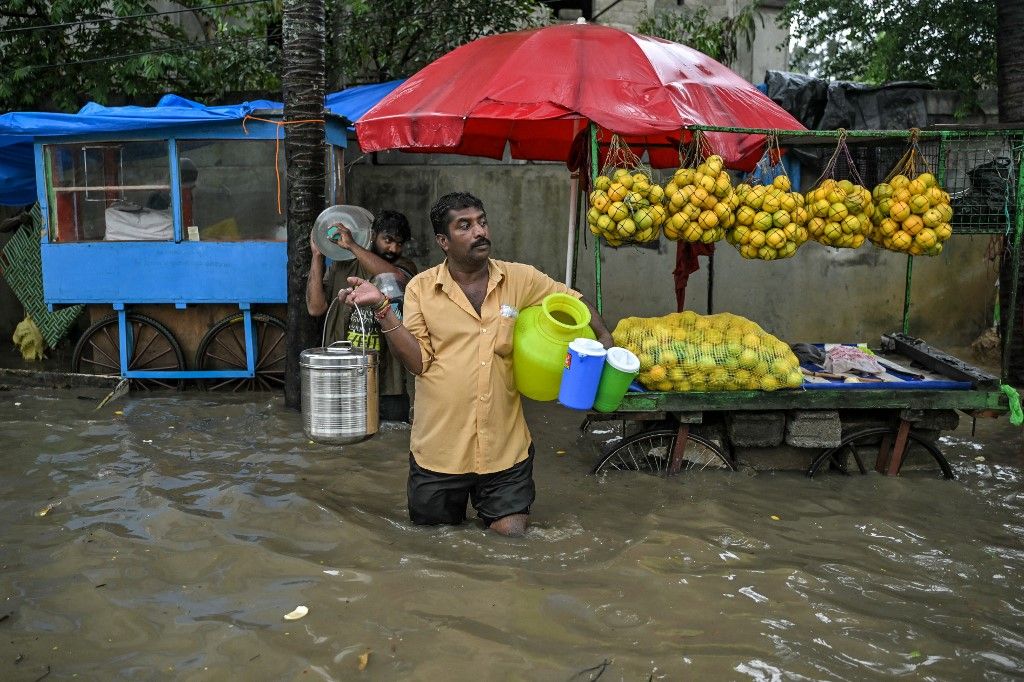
point(651, 451)
point(921, 458)
point(223, 348)
point(152, 348)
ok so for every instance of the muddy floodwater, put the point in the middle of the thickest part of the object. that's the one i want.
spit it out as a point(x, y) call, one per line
point(166, 536)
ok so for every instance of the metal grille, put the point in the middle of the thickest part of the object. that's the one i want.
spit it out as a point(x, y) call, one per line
point(21, 265)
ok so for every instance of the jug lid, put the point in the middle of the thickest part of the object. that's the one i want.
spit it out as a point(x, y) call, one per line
point(588, 347)
point(623, 360)
point(338, 354)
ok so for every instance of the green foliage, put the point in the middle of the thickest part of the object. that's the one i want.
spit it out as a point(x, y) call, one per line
point(209, 54)
point(950, 43)
point(387, 39)
point(696, 28)
point(60, 67)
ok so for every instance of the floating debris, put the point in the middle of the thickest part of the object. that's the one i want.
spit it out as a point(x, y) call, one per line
point(119, 391)
point(47, 509)
point(299, 612)
point(364, 660)
point(775, 518)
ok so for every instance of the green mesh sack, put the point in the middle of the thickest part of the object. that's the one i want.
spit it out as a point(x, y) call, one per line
point(724, 352)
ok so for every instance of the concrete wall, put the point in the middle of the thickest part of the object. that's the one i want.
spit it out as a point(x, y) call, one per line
point(821, 294)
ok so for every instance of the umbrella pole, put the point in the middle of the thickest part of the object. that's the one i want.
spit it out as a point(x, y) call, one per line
point(597, 240)
point(570, 252)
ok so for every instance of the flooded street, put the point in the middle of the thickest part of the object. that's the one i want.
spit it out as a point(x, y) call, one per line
point(166, 536)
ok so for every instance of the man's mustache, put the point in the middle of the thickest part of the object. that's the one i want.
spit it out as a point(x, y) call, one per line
point(483, 241)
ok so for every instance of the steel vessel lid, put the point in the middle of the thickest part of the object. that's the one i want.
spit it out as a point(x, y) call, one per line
point(340, 354)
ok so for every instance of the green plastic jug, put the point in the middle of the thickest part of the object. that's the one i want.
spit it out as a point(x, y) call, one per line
point(540, 342)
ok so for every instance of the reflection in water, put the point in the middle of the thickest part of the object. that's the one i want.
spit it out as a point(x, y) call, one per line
point(178, 533)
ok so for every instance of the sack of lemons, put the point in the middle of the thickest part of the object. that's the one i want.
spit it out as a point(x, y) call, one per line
point(701, 202)
point(840, 213)
point(913, 215)
point(724, 352)
point(771, 220)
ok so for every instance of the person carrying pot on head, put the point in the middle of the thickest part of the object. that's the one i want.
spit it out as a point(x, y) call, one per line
point(469, 440)
point(381, 262)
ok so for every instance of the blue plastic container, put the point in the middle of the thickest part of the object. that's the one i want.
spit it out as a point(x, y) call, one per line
point(583, 364)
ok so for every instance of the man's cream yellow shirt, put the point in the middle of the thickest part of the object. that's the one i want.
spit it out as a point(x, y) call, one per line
point(468, 416)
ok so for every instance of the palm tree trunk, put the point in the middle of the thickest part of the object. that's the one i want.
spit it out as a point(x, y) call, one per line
point(303, 84)
point(1010, 81)
point(1010, 60)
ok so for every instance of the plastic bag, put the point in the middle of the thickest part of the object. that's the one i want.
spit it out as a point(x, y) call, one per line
point(843, 359)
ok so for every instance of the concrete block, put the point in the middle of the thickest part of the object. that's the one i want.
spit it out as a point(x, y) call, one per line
point(756, 429)
point(936, 420)
point(781, 458)
point(814, 429)
point(864, 419)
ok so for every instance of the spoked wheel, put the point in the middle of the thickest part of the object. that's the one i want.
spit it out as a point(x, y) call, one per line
point(223, 348)
point(150, 347)
point(861, 449)
point(651, 453)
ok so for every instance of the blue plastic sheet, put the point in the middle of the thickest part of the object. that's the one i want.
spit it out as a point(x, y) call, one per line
point(19, 129)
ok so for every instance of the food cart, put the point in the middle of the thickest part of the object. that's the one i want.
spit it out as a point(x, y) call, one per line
point(874, 424)
point(170, 217)
point(167, 223)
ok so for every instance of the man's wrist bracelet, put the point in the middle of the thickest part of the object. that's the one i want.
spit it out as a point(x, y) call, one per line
point(380, 311)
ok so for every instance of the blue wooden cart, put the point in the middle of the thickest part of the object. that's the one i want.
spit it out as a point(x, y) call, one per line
point(174, 223)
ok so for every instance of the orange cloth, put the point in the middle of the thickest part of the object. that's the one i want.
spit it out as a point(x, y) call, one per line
point(468, 415)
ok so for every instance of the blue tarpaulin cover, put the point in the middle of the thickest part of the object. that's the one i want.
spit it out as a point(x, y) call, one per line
point(18, 129)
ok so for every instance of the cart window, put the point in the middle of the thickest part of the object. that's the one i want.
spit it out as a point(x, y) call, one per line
point(113, 191)
point(235, 192)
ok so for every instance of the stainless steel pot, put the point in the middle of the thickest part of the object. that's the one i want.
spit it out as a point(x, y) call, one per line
point(339, 393)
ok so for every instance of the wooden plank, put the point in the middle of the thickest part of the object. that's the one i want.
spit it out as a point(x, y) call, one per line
point(678, 449)
point(938, 361)
point(899, 449)
point(823, 399)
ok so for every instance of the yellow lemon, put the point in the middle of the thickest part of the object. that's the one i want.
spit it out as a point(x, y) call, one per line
point(617, 191)
point(617, 211)
point(775, 238)
point(919, 203)
point(901, 240)
point(837, 211)
point(762, 220)
point(780, 218)
point(899, 211)
point(899, 181)
point(913, 224)
point(926, 238)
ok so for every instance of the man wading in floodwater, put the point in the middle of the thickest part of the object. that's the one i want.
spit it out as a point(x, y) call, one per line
point(469, 439)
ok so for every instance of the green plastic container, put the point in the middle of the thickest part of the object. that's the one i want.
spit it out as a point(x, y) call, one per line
point(540, 341)
point(620, 368)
